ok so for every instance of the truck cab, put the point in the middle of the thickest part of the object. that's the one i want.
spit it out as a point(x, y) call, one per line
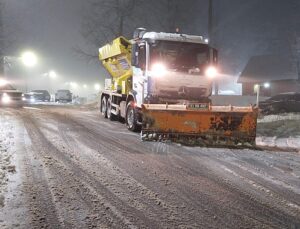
point(169, 68)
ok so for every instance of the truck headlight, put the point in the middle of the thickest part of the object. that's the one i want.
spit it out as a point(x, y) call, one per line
point(5, 98)
point(23, 97)
point(158, 69)
point(211, 72)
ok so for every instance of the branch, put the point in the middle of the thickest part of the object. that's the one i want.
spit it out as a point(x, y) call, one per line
point(82, 54)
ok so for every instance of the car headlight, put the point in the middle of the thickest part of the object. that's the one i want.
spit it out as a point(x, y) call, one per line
point(23, 97)
point(211, 72)
point(3, 82)
point(5, 98)
point(158, 69)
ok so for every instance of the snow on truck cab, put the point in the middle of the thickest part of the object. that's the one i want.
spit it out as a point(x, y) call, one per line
point(161, 83)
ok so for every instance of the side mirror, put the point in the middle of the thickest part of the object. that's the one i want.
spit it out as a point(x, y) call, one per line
point(215, 56)
point(134, 55)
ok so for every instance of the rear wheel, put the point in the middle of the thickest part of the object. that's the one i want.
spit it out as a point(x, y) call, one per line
point(104, 107)
point(110, 115)
point(131, 117)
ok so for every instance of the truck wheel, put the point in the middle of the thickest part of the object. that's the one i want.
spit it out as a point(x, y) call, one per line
point(131, 117)
point(104, 107)
point(110, 115)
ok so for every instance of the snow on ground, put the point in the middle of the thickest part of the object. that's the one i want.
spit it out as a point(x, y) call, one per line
point(6, 141)
point(279, 117)
point(282, 130)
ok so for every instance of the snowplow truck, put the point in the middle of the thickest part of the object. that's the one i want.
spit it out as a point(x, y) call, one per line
point(160, 84)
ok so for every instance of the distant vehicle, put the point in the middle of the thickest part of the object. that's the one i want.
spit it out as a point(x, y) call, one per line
point(63, 96)
point(284, 102)
point(9, 95)
point(37, 96)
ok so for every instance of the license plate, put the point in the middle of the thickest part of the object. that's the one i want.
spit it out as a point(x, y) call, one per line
point(198, 106)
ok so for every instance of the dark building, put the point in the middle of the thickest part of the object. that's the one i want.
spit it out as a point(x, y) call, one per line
point(280, 72)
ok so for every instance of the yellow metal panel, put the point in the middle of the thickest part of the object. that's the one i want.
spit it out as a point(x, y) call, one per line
point(116, 58)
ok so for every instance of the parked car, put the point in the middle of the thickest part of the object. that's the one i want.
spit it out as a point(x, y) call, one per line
point(9, 96)
point(37, 96)
point(63, 96)
point(284, 102)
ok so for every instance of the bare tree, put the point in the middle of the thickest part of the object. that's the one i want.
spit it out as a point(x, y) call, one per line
point(8, 36)
point(105, 20)
point(168, 15)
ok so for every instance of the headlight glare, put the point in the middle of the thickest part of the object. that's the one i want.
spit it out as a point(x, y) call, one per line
point(158, 69)
point(211, 72)
point(5, 98)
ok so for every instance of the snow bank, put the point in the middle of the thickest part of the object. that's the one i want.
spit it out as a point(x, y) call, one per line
point(279, 117)
point(282, 131)
point(6, 141)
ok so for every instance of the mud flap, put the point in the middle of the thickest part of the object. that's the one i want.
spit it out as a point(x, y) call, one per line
point(204, 125)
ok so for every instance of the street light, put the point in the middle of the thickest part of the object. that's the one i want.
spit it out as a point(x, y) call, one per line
point(74, 85)
point(52, 74)
point(257, 89)
point(97, 87)
point(266, 85)
point(29, 59)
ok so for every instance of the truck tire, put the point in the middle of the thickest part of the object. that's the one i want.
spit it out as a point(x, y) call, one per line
point(110, 115)
point(104, 107)
point(131, 117)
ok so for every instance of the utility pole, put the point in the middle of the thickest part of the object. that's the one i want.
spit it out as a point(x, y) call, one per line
point(210, 15)
point(210, 36)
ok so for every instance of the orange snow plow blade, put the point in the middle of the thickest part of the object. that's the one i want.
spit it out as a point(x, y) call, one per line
point(200, 124)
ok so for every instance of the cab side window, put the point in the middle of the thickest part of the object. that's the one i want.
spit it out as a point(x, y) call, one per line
point(139, 55)
point(142, 56)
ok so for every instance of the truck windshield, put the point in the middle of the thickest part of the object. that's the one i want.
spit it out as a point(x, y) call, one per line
point(180, 56)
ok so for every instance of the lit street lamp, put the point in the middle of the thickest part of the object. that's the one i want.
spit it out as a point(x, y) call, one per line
point(97, 87)
point(29, 59)
point(52, 74)
point(73, 85)
point(257, 89)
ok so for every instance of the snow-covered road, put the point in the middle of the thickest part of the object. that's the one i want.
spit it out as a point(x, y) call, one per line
point(74, 169)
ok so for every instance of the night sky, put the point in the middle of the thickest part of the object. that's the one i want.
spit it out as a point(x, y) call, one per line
point(52, 29)
point(242, 28)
